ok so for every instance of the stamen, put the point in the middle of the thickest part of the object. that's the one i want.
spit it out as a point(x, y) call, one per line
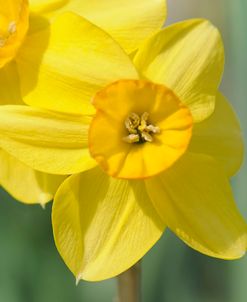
point(12, 27)
point(6, 34)
point(132, 138)
point(146, 136)
point(2, 41)
point(139, 129)
point(132, 122)
point(153, 129)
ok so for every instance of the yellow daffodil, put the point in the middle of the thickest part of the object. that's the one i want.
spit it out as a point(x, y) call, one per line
point(24, 39)
point(21, 181)
point(154, 149)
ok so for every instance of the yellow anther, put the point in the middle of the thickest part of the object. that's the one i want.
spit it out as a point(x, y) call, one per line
point(131, 138)
point(132, 122)
point(12, 27)
point(153, 129)
point(146, 136)
point(145, 116)
point(2, 41)
point(6, 31)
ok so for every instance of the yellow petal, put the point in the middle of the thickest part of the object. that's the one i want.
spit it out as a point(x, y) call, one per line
point(187, 57)
point(102, 225)
point(45, 6)
point(62, 66)
point(46, 141)
point(108, 131)
point(13, 27)
point(129, 22)
point(195, 200)
point(220, 136)
point(25, 184)
point(9, 81)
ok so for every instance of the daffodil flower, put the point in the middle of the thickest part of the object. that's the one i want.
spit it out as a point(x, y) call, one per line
point(25, 38)
point(154, 148)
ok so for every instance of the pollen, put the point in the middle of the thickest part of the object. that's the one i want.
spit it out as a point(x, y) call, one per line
point(139, 129)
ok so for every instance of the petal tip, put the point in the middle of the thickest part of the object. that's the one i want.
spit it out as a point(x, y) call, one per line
point(78, 279)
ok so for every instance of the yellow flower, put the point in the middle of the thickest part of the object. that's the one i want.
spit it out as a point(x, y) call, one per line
point(25, 37)
point(144, 156)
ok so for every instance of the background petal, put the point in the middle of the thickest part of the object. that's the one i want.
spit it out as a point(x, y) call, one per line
point(220, 136)
point(195, 200)
point(129, 22)
point(62, 66)
point(102, 232)
point(10, 86)
point(187, 57)
point(46, 141)
point(24, 183)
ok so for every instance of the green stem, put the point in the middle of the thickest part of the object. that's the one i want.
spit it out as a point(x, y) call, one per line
point(129, 285)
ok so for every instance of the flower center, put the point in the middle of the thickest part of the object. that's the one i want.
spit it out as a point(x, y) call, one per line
point(6, 30)
point(140, 130)
point(14, 20)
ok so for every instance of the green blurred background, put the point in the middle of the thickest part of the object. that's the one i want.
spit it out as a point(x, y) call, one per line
point(31, 269)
